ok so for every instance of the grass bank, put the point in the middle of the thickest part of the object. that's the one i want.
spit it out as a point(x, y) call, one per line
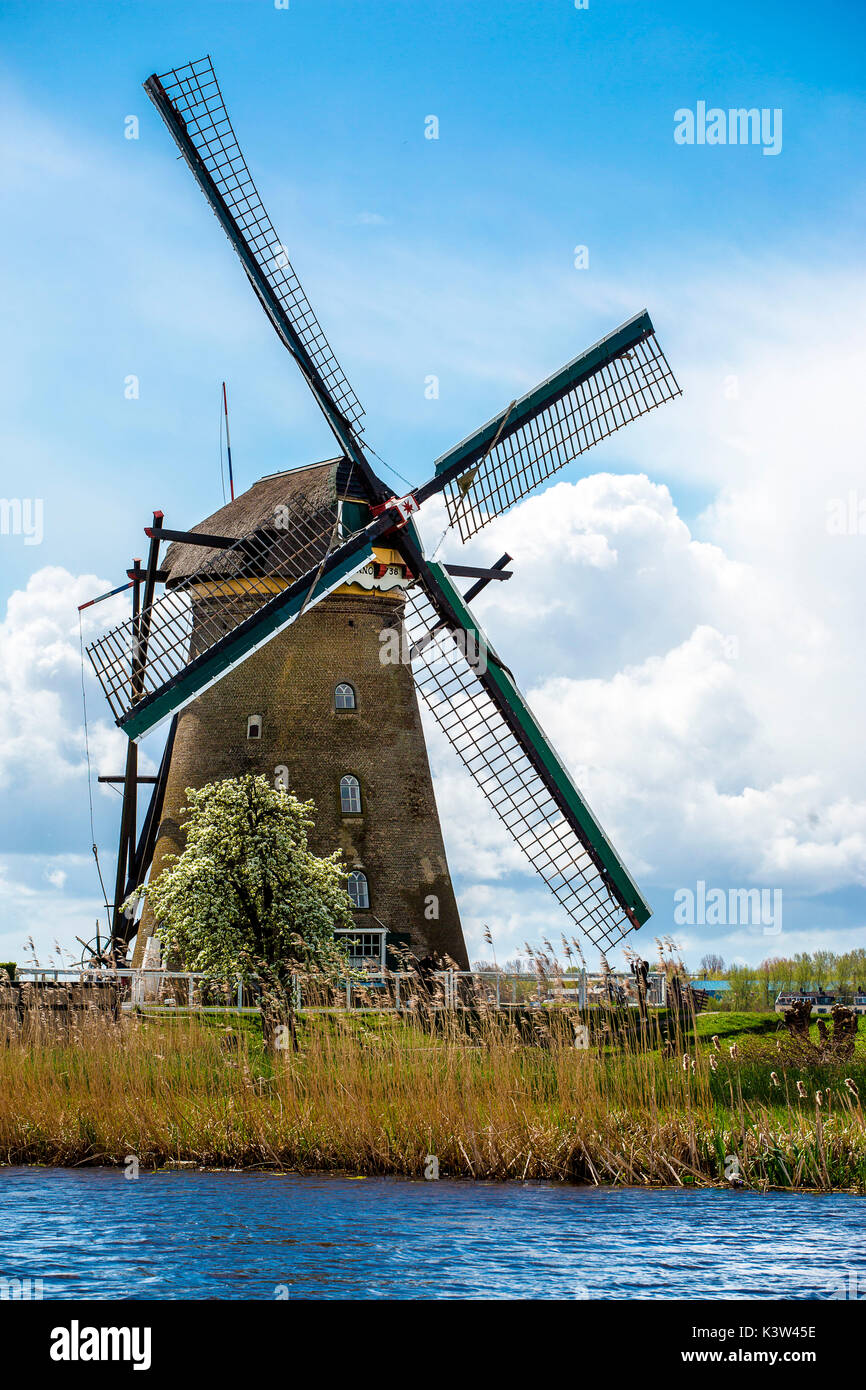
point(375, 1094)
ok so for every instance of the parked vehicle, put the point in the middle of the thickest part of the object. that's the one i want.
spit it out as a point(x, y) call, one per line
point(821, 1003)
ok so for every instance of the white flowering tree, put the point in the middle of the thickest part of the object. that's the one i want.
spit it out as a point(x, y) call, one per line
point(248, 898)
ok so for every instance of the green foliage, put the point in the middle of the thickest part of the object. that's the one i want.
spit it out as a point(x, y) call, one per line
point(9, 966)
point(730, 1026)
point(745, 992)
point(247, 897)
point(756, 987)
point(802, 970)
point(768, 1072)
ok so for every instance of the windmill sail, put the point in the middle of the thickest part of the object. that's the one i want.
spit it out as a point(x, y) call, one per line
point(478, 706)
point(621, 377)
point(204, 626)
point(191, 104)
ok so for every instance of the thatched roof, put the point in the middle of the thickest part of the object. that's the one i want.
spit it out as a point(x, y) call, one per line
point(315, 485)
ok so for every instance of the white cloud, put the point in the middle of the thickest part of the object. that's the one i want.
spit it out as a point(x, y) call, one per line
point(48, 883)
point(41, 722)
point(369, 219)
point(36, 656)
point(39, 922)
point(704, 679)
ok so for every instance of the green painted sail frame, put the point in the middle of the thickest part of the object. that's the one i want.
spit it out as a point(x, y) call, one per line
point(607, 349)
point(205, 670)
point(570, 800)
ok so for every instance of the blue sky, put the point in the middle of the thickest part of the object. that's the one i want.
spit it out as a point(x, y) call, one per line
point(454, 257)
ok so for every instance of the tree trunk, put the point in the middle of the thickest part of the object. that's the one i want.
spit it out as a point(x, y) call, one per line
point(279, 1030)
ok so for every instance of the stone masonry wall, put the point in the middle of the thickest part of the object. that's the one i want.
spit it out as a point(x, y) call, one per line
point(397, 839)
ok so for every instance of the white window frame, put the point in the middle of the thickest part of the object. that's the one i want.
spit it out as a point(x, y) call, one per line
point(365, 960)
point(352, 785)
point(357, 874)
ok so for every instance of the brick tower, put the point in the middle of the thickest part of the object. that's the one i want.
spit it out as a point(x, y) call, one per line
point(316, 711)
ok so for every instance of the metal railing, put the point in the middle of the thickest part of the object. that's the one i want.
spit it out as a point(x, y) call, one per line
point(140, 983)
point(190, 991)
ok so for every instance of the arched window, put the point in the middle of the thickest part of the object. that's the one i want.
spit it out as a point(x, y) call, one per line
point(356, 886)
point(344, 696)
point(350, 796)
point(254, 726)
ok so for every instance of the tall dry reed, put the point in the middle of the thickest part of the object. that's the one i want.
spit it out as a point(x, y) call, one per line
point(379, 1095)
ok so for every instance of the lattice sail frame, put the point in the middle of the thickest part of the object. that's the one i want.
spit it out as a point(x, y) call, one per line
point(533, 444)
point(194, 93)
point(191, 618)
point(499, 763)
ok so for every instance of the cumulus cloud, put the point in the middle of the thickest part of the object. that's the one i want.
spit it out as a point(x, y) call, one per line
point(369, 219)
point(44, 910)
point(40, 675)
point(48, 883)
point(701, 676)
point(41, 733)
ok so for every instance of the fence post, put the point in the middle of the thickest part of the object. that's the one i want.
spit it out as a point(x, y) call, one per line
point(190, 991)
point(240, 994)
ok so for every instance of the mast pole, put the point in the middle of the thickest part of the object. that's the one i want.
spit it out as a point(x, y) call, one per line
point(129, 810)
point(228, 443)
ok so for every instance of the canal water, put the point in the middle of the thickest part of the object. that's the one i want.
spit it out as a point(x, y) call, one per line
point(92, 1233)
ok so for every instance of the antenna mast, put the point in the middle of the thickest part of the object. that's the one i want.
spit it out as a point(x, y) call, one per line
point(228, 444)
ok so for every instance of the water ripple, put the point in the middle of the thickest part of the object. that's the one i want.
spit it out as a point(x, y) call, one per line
point(92, 1233)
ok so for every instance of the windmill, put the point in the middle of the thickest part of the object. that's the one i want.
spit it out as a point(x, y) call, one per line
point(246, 589)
